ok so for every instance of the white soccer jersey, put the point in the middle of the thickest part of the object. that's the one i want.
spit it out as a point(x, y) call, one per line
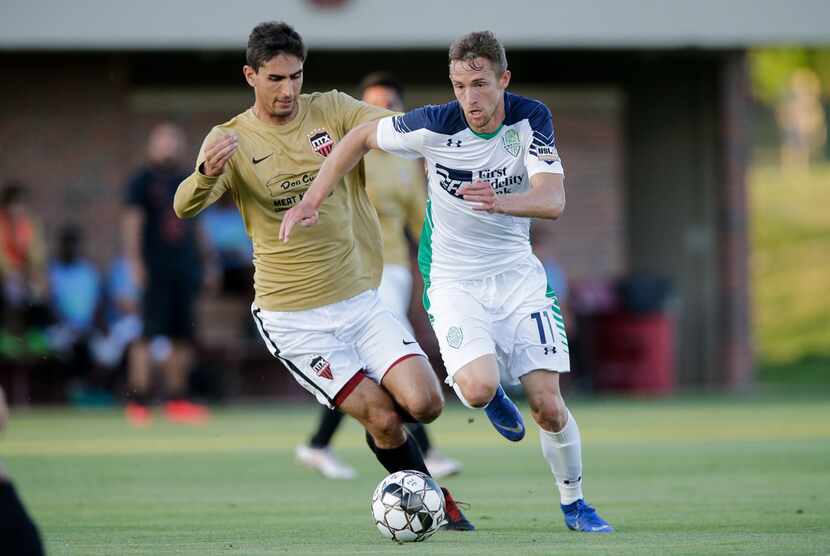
point(459, 243)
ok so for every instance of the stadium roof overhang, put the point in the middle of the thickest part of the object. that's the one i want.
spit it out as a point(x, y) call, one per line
point(400, 24)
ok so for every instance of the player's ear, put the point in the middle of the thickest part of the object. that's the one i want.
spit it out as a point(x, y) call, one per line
point(249, 74)
point(504, 80)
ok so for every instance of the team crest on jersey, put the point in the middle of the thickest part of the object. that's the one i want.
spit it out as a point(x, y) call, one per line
point(321, 367)
point(321, 142)
point(511, 142)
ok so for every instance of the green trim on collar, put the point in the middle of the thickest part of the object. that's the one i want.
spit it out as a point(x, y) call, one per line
point(487, 135)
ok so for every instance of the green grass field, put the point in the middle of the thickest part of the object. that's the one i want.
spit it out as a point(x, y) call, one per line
point(790, 264)
point(720, 476)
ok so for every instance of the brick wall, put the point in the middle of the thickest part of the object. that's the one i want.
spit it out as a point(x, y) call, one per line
point(74, 127)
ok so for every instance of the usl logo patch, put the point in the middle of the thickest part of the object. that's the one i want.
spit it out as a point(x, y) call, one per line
point(321, 142)
point(321, 367)
point(511, 142)
point(547, 153)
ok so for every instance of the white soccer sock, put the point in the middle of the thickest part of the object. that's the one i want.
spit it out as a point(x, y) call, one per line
point(563, 450)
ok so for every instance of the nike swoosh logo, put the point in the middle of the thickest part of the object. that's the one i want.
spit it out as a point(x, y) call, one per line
point(517, 429)
point(408, 343)
point(258, 160)
point(600, 528)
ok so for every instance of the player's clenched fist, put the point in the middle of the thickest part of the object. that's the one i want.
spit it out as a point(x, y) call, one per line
point(218, 153)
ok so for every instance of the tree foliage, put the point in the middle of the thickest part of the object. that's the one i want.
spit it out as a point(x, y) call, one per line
point(771, 69)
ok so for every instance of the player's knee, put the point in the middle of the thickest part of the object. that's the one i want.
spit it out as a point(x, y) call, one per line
point(550, 416)
point(479, 394)
point(384, 424)
point(427, 408)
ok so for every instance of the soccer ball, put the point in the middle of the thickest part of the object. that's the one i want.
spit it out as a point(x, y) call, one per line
point(408, 506)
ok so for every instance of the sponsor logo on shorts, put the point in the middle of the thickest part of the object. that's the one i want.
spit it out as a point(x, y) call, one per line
point(455, 337)
point(321, 367)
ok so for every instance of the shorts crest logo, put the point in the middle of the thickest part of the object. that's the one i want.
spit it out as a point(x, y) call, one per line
point(321, 142)
point(511, 142)
point(321, 367)
point(455, 337)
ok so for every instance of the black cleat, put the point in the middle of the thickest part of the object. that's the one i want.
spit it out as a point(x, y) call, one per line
point(455, 519)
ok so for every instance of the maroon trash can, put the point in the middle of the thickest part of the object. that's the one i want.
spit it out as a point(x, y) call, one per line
point(634, 353)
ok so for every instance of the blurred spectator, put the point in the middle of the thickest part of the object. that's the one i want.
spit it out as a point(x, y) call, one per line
point(165, 262)
point(544, 247)
point(223, 227)
point(22, 272)
point(76, 301)
point(802, 121)
point(122, 315)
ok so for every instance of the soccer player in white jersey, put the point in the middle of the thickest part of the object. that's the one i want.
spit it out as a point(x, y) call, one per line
point(492, 166)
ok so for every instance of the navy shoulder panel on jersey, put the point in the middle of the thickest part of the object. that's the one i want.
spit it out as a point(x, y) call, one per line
point(438, 118)
point(518, 108)
point(543, 144)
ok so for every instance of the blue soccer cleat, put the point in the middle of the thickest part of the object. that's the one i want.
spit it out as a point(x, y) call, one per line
point(505, 416)
point(579, 516)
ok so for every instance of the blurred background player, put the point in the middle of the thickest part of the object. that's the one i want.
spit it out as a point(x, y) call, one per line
point(18, 533)
point(225, 230)
point(802, 121)
point(396, 188)
point(166, 263)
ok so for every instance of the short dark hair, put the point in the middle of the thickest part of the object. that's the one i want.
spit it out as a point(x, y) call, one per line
point(479, 44)
point(381, 79)
point(70, 234)
point(272, 38)
point(13, 191)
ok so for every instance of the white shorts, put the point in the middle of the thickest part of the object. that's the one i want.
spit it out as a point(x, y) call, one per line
point(395, 291)
point(330, 349)
point(513, 315)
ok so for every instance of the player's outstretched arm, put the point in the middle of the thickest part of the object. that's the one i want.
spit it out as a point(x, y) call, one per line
point(544, 199)
point(342, 159)
point(204, 186)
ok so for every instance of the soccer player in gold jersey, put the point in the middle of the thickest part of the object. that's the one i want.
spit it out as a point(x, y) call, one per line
point(316, 304)
point(397, 189)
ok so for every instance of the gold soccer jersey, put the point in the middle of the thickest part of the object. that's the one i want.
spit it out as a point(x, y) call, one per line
point(396, 187)
point(268, 174)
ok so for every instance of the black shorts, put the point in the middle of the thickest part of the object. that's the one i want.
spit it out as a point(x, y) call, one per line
point(168, 306)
